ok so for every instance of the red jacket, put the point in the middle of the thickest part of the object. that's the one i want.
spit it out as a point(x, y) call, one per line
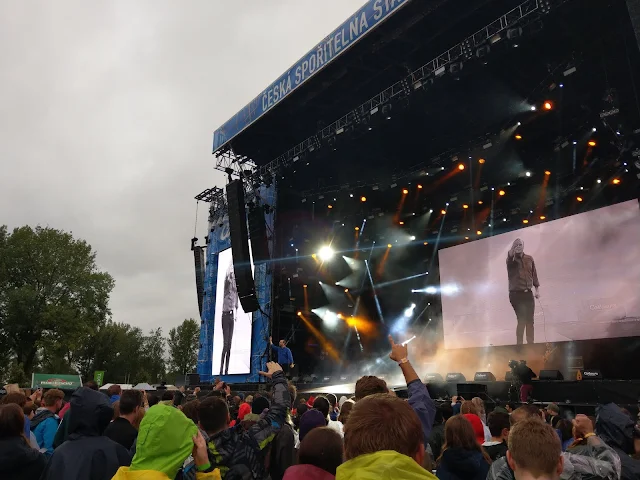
point(307, 472)
point(243, 410)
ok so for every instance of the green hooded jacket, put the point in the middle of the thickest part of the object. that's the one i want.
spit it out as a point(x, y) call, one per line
point(165, 440)
point(383, 465)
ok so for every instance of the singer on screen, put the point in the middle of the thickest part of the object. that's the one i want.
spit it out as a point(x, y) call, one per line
point(229, 316)
point(523, 279)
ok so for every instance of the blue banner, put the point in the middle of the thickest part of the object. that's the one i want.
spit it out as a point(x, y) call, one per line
point(342, 38)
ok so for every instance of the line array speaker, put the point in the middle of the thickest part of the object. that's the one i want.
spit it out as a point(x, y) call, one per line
point(258, 235)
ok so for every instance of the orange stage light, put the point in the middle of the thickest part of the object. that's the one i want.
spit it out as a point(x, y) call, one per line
point(592, 143)
point(542, 217)
point(330, 206)
point(466, 238)
point(481, 161)
point(388, 245)
point(548, 105)
point(420, 187)
point(346, 290)
point(616, 181)
point(480, 202)
point(461, 167)
point(579, 199)
point(426, 243)
point(478, 232)
point(525, 221)
point(518, 137)
point(547, 172)
point(401, 223)
point(465, 206)
point(299, 313)
point(502, 193)
point(405, 191)
point(304, 286)
point(363, 199)
point(357, 229)
point(443, 212)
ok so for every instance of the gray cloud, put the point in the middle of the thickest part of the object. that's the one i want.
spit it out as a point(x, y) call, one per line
point(106, 118)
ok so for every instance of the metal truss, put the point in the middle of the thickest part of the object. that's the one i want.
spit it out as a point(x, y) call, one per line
point(528, 10)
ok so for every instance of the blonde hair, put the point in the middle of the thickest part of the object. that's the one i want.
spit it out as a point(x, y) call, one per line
point(535, 447)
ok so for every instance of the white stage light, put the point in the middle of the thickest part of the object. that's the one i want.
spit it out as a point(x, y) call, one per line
point(412, 237)
point(331, 319)
point(326, 253)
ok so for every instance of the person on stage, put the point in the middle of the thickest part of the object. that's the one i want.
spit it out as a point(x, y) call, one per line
point(525, 376)
point(229, 317)
point(523, 279)
point(285, 357)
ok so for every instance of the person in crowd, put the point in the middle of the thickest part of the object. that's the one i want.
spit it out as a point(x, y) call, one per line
point(283, 448)
point(499, 427)
point(311, 419)
point(87, 453)
point(113, 392)
point(153, 400)
point(564, 428)
point(322, 404)
point(534, 451)
point(122, 430)
point(476, 408)
point(20, 399)
point(333, 411)
point(63, 429)
point(384, 439)
point(245, 407)
point(436, 440)
point(167, 397)
point(237, 451)
point(300, 411)
point(45, 422)
point(462, 455)
point(552, 416)
point(617, 429)
point(283, 355)
point(18, 461)
point(510, 407)
point(345, 410)
point(320, 455)
point(526, 376)
point(595, 461)
point(166, 440)
point(190, 410)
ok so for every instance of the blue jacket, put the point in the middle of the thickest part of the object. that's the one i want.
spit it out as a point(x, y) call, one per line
point(44, 426)
point(424, 407)
point(284, 355)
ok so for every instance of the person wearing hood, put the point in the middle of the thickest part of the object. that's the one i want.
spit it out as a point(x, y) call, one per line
point(18, 461)
point(321, 453)
point(165, 441)
point(462, 455)
point(45, 423)
point(383, 440)
point(615, 428)
point(87, 453)
point(240, 453)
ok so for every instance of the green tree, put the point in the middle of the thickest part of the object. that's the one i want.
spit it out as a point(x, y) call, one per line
point(51, 295)
point(183, 347)
point(152, 364)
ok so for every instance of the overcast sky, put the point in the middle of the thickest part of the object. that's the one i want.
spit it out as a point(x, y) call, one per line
point(106, 117)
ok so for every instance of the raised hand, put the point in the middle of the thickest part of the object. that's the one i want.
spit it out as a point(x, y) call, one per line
point(398, 351)
point(272, 367)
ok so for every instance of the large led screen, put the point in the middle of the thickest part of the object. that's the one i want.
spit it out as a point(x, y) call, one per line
point(232, 326)
point(587, 268)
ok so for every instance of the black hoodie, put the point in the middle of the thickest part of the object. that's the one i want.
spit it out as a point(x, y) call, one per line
point(459, 464)
point(615, 428)
point(86, 453)
point(18, 461)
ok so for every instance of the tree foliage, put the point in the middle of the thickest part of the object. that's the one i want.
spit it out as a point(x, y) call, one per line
point(183, 346)
point(52, 295)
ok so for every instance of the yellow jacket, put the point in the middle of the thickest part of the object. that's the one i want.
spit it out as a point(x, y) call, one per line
point(124, 473)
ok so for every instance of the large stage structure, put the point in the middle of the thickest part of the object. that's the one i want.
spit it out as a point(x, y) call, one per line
point(498, 114)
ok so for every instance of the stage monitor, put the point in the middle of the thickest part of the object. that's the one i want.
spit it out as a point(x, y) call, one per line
point(433, 377)
point(551, 375)
point(232, 326)
point(587, 266)
point(484, 377)
point(456, 377)
point(591, 374)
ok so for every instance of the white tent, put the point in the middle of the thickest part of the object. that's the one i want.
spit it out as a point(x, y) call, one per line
point(143, 386)
point(123, 386)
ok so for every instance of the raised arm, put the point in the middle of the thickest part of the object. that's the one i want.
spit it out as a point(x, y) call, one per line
point(264, 431)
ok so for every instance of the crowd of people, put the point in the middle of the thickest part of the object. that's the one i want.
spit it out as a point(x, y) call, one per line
point(278, 435)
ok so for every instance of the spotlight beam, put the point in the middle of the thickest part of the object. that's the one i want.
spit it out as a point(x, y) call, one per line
point(375, 295)
point(393, 282)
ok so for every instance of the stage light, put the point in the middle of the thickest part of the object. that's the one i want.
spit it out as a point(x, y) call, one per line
point(465, 206)
point(466, 238)
point(420, 187)
point(409, 311)
point(579, 199)
point(518, 137)
point(346, 290)
point(480, 202)
point(616, 181)
point(502, 193)
point(401, 223)
point(461, 167)
point(481, 161)
point(389, 245)
point(592, 143)
point(299, 313)
point(525, 221)
point(594, 129)
point(405, 191)
point(443, 212)
point(326, 253)
point(547, 172)
point(542, 217)
point(599, 181)
point(330, 206)
point(363, 199)
point(548, 105)
point(478, 232)
point(527, 174)
point(412, 237)
point(351, 195)
point(426, 243)
point(533, 108)
point(357, 229)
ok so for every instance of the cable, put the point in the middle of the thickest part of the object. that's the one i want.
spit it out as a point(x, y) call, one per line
point(544, 321)
point(195, 227)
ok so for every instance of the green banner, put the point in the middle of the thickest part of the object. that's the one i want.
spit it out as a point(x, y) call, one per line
point(98, 376)
point(53, 380)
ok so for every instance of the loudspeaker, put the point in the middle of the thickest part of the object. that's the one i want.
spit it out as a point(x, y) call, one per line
point(592, 375)
point(258, 235)
point(193, 379)
point(484, 377)
point(198, 260)
point(551, 375)
point(456, 377)
point(433, 377)
point(240, 247)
